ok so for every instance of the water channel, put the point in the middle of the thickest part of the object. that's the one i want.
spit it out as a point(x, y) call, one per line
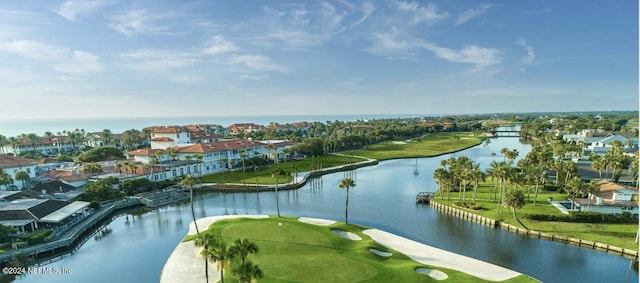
point(140, 241)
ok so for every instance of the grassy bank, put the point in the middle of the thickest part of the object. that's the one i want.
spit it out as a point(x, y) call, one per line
point(264, 176)
point(292, 251)
point(620, 235)
point(427, 146)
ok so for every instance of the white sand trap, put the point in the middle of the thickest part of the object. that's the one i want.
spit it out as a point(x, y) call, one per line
point(435, 274)
point(316, 221)
point(347, 235)
point(398, 142)
point(436, 257)
point(380, 253)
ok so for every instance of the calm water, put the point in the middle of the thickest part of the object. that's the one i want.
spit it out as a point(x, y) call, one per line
point(139, 245)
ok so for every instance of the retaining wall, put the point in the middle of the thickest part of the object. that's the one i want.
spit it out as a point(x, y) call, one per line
point(633, 254)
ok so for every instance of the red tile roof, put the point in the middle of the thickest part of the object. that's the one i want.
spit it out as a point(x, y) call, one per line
point(219, 146)
point(144, 152)
point(169, 130)
point(161, 139)
point(8, 161)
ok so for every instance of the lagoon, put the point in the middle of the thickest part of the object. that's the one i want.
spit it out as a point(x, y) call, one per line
point(141, 240)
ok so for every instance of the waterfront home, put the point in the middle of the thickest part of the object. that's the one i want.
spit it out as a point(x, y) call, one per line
point(612, 198)
point(72, 176)
point(12, 164)
point(28, 215)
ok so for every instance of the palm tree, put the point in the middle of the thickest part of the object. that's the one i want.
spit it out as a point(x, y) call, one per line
point(49, 136)
point(243, 155)
point(592, 188)
point(573, 186)
point(243, 247)
point(276, 173)
point(222, 255)
point(223, 162)
point(190, 181)
point(119, 167)
point(3, 142)
point(477, 176)
point(346, 184)
point(198, 157)
point(5, 179)
point(247, 272)
point(23, 177)
point(514, 199)
point(205, 240)
point(33, 139)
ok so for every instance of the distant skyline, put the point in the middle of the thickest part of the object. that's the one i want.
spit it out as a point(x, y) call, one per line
point(110, 58)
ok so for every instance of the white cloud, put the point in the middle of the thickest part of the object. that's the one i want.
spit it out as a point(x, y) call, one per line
point(530, 52)
point(257, 62)
point(61, 59)
point(139, 21)
point(388, 43)
point(220, 45)
point(80, 63)
point(367, 10)
point(71, 9)
point(300, 26)
point(470, 14)
point(156, 60)
point(471, 54)
point(419, 13)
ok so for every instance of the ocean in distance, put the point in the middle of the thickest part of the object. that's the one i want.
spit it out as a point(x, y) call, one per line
point(117, 125)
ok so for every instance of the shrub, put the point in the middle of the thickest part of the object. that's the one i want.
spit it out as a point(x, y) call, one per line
point(586, 217)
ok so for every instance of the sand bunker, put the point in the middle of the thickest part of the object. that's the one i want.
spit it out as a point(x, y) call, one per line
point(398, 142)
point(347, 235)
point(316, 221)
point(380, 253)
point(435, 274)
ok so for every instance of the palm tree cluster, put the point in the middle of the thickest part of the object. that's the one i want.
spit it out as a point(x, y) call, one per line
point(223, 254)
point(456, 174)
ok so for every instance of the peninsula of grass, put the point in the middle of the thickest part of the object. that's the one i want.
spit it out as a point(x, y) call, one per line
point(619, 235)
point(264, 176)
point(426, 146)
point(292, 251)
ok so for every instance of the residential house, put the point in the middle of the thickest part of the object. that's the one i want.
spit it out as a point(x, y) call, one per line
point(244, 128)
point(12, 164)
point(612, 198)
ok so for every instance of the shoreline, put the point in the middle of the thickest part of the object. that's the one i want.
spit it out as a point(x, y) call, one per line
point(185, 263)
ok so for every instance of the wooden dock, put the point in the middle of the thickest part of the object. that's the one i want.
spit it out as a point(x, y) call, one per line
point(424, 197)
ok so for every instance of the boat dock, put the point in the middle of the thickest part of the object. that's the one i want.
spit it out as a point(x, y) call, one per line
point(424, 197)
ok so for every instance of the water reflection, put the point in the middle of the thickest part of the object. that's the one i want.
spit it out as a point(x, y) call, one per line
point(141, 241)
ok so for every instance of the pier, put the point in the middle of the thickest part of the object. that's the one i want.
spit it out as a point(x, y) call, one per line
point(424, 197)
point(66, 240)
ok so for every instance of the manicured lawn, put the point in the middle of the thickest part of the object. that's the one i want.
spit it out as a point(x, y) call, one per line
point(427, 146)
point(263, 176)
point(292, 251)
point(620, 235)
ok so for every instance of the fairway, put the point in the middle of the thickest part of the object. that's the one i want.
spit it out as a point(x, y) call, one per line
point(293, 251)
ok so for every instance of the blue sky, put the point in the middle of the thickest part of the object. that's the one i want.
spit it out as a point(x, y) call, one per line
point(110, 58)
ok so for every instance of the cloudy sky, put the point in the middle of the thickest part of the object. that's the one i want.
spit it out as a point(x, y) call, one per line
point(116, 58)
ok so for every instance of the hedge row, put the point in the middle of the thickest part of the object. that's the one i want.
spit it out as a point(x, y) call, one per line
point(586, 217)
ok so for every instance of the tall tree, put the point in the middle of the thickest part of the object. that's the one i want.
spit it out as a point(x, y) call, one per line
point(276, 172)
point(247, 272)
point(514, 199)
point(23, 177)
point(191, 181)
point(222, 255)
point(243, 247)
point(346, 184)
point(205, 240)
